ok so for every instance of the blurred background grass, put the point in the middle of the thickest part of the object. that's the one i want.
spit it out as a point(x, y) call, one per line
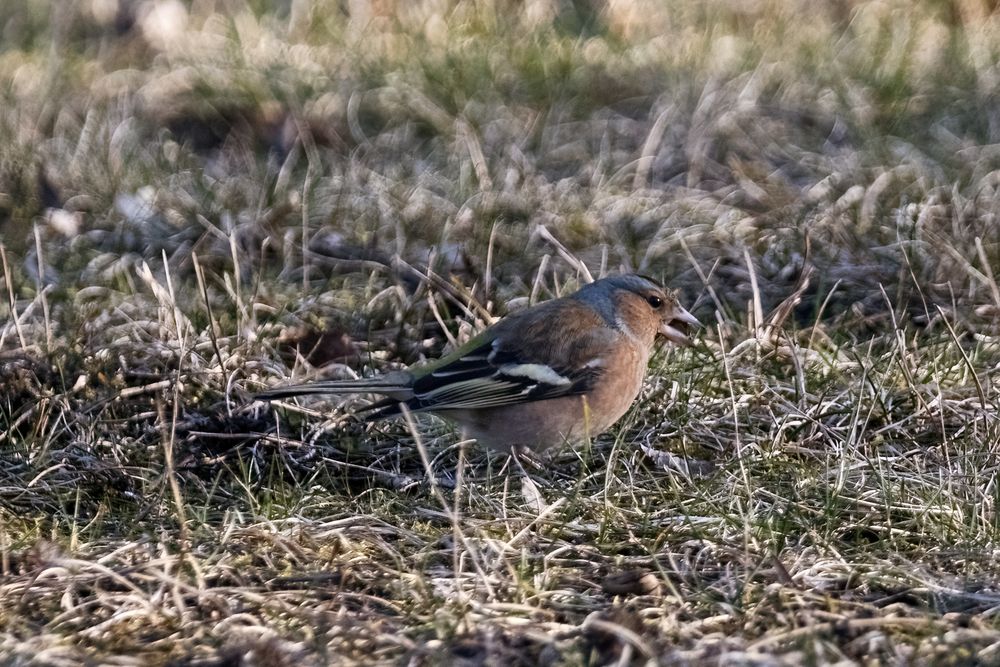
point(631, 129)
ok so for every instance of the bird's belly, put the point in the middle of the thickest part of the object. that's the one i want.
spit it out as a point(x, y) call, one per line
point(537, 426)
point(550, 423)
point(546, 424)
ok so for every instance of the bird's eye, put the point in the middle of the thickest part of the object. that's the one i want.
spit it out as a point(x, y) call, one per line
point(654, 301)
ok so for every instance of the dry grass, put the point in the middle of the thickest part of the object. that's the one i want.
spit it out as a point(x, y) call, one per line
point(189, 196)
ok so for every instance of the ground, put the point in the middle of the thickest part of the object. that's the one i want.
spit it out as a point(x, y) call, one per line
point(202, 199)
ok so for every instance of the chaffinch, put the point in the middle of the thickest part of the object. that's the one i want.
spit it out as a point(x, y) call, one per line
point(562, 370)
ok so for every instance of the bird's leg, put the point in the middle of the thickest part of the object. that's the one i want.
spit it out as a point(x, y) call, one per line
point(521, 453)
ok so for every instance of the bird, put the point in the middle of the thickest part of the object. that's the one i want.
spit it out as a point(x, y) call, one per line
point(560, 371)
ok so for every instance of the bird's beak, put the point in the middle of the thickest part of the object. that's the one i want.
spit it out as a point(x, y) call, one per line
point(676, 329)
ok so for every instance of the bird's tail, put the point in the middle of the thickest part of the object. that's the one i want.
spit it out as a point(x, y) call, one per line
point(387, 386)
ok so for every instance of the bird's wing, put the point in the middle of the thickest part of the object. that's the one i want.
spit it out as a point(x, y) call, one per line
point(498, 368)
